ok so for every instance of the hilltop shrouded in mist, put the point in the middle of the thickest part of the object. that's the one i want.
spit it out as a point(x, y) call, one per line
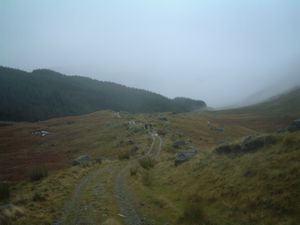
point(44, 94)
point(219, 51)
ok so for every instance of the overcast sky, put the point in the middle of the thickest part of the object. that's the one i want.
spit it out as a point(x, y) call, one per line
point(218, 51)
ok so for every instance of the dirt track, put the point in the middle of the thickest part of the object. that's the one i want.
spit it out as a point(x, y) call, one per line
point(100, 186)
point(87, 205)
point(126, 200)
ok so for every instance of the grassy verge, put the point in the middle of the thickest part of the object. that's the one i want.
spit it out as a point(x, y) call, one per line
point(260, 187)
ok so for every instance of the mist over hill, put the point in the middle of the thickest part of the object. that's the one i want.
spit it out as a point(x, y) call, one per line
point(286, 103)
point(44, 94)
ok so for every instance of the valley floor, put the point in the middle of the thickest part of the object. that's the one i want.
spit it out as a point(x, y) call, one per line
point(133, 179)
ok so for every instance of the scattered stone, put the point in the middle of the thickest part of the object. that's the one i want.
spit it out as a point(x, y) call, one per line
point(131, 123)
point(148, 126)
point(81, 159)
point(116, 114)
point(42, 133)
point(184, 156)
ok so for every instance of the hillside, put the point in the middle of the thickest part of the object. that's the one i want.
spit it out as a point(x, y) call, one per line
point(214, 187)
point(287, 103)
point(44, 94)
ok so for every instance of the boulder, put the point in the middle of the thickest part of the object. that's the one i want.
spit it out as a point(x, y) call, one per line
point(184, 156)
point(228, 148)
point(249, 144)
point(81, 159)
point(294, 126)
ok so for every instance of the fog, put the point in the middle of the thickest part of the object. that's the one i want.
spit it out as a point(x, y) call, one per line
point(218, 51)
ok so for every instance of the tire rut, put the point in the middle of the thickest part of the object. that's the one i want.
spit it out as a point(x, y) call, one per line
point(128, 205)
point(78, 210)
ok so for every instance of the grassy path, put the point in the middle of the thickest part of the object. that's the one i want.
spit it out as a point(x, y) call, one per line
point(128, 205)
point(104, 194)
point(92, 201)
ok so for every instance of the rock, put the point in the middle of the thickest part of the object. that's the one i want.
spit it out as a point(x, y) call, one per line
point(81, 159)
point(294, 126)
point(42, 133)
point(148, 126)
point(220, 129)
point(184, 156)
point(130, 142)
point(249, 144)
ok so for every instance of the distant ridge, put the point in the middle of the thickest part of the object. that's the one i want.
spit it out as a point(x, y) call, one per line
point(44, 94)
point(287, 103)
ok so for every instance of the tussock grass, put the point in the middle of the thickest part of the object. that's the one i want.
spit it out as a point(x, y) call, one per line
point(9, 214)
point(147, 162)
point(42, 201)
point(146, 179)
point(4, 191)
point(193, 212)
point(38, 173)
point(133, 171)
point(124, 155)
point(257, 188)
point(38, 197)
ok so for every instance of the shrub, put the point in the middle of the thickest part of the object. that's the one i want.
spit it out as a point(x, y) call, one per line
point(133, 171)
point(4, 191)
point(146, 179)
point(123, 155)
point(86, 164)
point(133, 150)
point(99, 160)
point(291, 141)
point(38, 173)
point(162, 132)
point(147, 162)
point(37, 197)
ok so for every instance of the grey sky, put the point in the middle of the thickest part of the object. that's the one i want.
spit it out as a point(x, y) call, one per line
point(218, 51)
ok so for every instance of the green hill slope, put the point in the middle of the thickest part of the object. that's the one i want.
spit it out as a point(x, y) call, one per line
point(44, 94)
point(284, 104)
